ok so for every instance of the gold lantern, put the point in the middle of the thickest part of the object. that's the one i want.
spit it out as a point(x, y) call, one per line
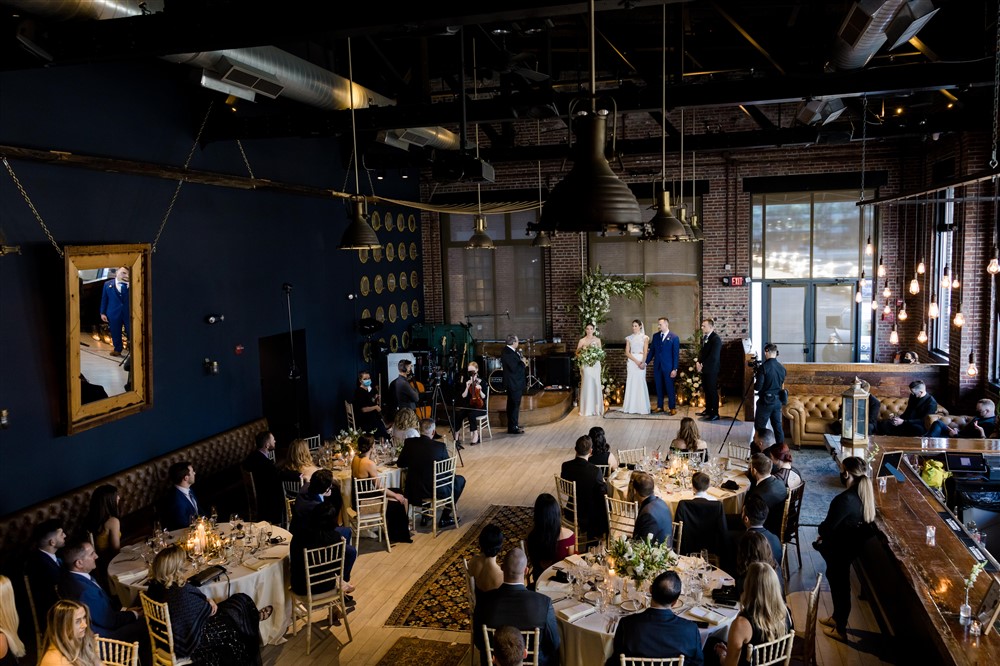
point(854, 419)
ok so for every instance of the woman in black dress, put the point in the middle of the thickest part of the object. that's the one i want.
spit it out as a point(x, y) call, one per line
point(224, 634)
point(601, 453)
point(848, 524)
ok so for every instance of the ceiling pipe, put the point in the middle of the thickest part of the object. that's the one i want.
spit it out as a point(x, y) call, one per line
point(863, 32)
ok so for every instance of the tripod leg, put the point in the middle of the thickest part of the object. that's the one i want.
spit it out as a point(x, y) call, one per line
point(748, 391)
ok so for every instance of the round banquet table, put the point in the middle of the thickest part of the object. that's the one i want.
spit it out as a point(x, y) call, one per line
point(671, 493)
point(263, 577)
point(587, 641)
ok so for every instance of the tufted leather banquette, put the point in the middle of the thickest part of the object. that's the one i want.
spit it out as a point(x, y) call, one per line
point(809, 416)
point(140, 487)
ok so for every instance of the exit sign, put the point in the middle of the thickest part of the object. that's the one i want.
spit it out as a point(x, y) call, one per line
point(735, 281)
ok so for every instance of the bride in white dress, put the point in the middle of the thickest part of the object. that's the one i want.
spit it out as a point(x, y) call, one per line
point(636, 390)
point(591, 390)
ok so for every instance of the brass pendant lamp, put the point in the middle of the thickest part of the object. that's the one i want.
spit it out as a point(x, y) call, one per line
point(359, 235)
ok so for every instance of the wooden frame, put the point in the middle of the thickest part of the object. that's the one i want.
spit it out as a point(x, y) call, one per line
point(83, 416)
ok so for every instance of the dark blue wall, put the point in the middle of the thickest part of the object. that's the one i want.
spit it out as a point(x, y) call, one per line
point(223, 250)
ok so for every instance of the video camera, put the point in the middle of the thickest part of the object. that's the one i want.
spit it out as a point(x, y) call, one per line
point(754, 363)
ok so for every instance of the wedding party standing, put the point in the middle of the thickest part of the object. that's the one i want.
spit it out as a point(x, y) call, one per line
point(591, 390)
point(709, 360)
point(665, 353)
point(636, 392)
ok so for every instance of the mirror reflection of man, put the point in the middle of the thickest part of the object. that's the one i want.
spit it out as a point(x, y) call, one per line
point(115, 308)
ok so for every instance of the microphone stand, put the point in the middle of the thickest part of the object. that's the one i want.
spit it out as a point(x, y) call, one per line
point(293, 370)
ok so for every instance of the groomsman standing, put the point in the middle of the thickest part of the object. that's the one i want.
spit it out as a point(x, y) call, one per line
point(709, 360)
point(665, 347)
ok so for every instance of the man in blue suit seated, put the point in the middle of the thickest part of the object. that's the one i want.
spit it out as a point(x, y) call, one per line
point(106, 617)
point(115, 308)
point(179, 503)
point(654, 515)
point(656, 632)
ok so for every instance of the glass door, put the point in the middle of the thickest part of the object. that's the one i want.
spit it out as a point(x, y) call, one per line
point(786, 321)
point(810, 321)
point(833, 333)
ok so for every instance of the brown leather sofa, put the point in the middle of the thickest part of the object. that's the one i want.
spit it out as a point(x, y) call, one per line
point(808, 416)
point(216, 460)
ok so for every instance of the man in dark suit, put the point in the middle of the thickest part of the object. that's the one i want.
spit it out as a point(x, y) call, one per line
point(755, 513)
point(42, 567)
point(514, 605)
point(911, 422)
point(106, 618)
point(709, 361)
point(656, 632)
point(704, 519)
point(115, 308)
point(404, 396)
point(591, 514)
point(513, 382)
point(267, 479)
point(977, 428)
point(654, 515)
point(770, 377)
point(179, 503)
point(418, 457)
point(664, 352)
point(769, 488)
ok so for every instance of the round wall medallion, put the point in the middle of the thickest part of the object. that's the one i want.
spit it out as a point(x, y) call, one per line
point(411, 222)
point(404, 281)
point(393, 344)
point(406, 339)
point(390, 282)
point(367, 352)
point(365, 286)
point(363, 255)
point(415, 308)
point(377, 254)
point(404, 310)
point(401, 222)
point(388, 221)
point(392, 313)
point(380, 314)
point(366, 314)
point(414, 279)
point(376, 221)
point(379, 286)
point(390, 252)
point(413, 250)
point(402, 252)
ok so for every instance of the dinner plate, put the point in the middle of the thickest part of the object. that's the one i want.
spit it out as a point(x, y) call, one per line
point(593, 595)
point(631, 605)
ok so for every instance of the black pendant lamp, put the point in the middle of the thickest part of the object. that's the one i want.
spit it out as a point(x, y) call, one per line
point(359, 235)
point(665, 226)
point(480, 240)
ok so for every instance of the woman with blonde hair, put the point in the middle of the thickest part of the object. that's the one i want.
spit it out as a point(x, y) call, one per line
point(764, 617)
point(363, 467)
point(300, 459)
point(68, 639)
point(221, 634)
point(404, 426)
point(688, 438)
point(11, 647)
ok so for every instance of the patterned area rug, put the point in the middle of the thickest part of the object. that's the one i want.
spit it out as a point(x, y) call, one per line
point(439, 599)
point(822, 483)
point(412, 651)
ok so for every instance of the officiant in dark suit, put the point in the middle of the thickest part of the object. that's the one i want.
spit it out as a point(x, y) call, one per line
point(513, 365)
point(709, 361)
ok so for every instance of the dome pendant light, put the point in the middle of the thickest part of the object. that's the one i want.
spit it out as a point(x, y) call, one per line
point(480, 240)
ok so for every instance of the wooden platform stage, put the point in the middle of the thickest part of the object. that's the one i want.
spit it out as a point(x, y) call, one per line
point(537, 408)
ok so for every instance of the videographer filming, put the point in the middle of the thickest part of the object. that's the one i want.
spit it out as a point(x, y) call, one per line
point(768, 382)
point(402, 392)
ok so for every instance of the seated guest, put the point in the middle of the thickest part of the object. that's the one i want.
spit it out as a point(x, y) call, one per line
point(548, 541)
point(755, 514)
point(103, 525)
point(106, 618)
point(180, 506)
point(11, 647)
point(910, 357)
point(591, 515)
point(69, 640)
point(322, 489)
point(267, 479)
point(513, 604)
point(704, 519)
point(300, 459)
point(319, 528)
point(781, 465)
point(418, 457)
point(484, 568)
point(911, 422)
point(508, 647)
point(397, 508)
point(688, 438)
point(984, 422)
point(769, 488)
point(762, 441)
point(42, 567)
point(404, 426)
point(654, 515)
point(764, 618)
point(367, 410)
point(753, 546)
point(226, 634)
point(601, 452)
point(657, 633)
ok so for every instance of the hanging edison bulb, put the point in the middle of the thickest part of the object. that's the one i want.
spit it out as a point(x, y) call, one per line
point(881, 268)
point(914, 286)
point(994, 266)
point(922, 335)
point(932, 310)
point(864, 281)
point(959, 320)
point(894, 336)
point(921, 267)
point(956, 283)
point(857, 294)
point(902, 316)
point(874, 304)
point(946, 277)
point(973, 370)
point(886, 292)
point(887, 310)
point(869, 248)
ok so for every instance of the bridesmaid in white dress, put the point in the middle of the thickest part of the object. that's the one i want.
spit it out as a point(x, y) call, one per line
point(591, 390)
point(636, 390)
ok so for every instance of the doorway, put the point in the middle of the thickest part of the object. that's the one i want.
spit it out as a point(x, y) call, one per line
point(811, 321)
point(284, 385)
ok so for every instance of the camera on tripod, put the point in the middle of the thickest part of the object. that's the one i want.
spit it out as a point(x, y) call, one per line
point(754, 363)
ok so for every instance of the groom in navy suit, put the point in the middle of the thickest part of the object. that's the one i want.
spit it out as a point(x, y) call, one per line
point(114, 308)
point(665, 348)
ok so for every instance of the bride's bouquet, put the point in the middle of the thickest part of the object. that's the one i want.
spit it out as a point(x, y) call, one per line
point(590, 356)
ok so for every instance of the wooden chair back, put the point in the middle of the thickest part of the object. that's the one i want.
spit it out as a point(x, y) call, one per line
point(621, 517)
point(370, 505)
point(647, 661)
point(117, 653)
point(631, 456)
point(778, 651)
point(349, 408)
point(161, 635)
point(315, 443)
point(566, 496)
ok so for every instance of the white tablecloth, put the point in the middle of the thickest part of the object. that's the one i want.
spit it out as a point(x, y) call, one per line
point(732, 500)
point(267, 586)
point(587, 642)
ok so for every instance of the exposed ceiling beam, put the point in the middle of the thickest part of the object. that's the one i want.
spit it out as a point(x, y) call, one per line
point(747, 36)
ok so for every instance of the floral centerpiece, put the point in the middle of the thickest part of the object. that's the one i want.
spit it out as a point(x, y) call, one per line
point(640, 559)
point(339, 448)
point(588, 356)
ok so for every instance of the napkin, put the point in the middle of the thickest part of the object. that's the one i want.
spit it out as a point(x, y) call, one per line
point(706, 615)
point(574, 610)
point(256, 564)
point(553, 590)
point(718, 493)
point(130, 577)
point(577, 561)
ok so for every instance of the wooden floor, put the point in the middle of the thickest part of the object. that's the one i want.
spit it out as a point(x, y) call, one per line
point(514, 469)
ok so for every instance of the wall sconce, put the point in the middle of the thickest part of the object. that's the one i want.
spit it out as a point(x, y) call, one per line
point(8, 249)
point(215, 319)
point(211, 367)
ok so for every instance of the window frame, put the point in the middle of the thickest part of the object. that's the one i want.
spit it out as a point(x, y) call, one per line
point(944, 230)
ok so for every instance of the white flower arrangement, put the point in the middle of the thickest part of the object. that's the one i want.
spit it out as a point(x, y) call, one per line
point(641, 559)
point(595, 294)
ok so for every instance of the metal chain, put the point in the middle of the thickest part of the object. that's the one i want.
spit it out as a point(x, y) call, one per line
point(996, 93)
point(864, 142)
point(34, 211)
point(180, 183)
point(245, 160)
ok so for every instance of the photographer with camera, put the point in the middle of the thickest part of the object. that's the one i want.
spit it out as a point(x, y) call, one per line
point(769, 379)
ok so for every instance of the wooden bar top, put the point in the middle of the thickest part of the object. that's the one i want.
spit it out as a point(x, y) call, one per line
point(936, 573)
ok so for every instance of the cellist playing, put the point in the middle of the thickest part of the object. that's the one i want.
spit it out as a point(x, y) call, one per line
point(474, 399)
point(401, 390)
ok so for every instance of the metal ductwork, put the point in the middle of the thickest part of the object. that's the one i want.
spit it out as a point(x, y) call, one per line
point(863, 32)
point(246, 72)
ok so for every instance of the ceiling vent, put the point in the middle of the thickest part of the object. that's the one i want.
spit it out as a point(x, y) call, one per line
point(240, 74)
point(854, 25)
point(910, 20)
point(820, 111)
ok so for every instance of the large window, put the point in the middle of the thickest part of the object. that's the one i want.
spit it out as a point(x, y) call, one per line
point(943, 265)
point(674, 269)
point(498, 291)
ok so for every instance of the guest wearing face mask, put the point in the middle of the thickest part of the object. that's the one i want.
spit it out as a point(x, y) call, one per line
point(368, 407)
point(474, 399)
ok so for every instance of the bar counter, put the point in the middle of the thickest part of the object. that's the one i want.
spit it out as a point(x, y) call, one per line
point(918, 588)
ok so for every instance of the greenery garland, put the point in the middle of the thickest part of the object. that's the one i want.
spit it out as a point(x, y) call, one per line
point(596, 290)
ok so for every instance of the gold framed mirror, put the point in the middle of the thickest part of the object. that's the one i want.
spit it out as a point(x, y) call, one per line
point(109, 348)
